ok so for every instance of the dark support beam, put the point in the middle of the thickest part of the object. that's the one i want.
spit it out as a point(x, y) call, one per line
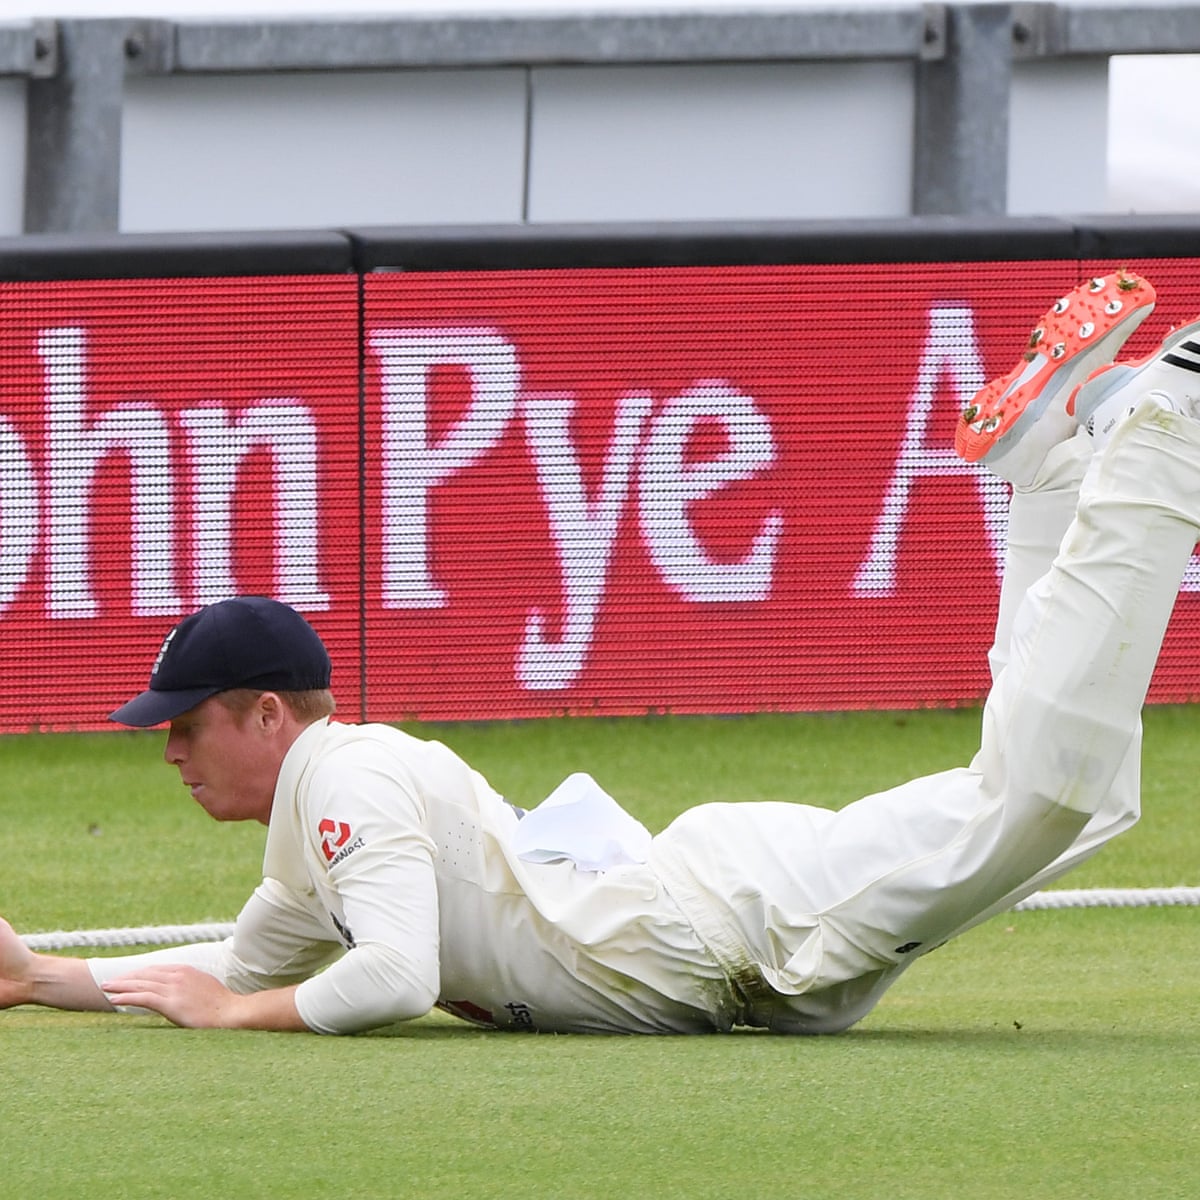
point(960, 146)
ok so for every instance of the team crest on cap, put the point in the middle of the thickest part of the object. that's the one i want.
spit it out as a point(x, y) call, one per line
point(162, 651)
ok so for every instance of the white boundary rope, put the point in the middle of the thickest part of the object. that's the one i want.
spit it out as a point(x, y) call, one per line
point(1110, 898)
point(144, 935)
point(179, 935)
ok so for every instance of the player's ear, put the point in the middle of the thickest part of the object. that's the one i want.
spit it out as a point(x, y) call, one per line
point(270, 712)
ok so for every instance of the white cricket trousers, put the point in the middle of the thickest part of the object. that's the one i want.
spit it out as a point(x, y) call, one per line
point(814, 913)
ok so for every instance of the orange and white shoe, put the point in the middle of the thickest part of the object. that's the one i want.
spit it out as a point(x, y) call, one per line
point(1013, 421)
point(1168, 376)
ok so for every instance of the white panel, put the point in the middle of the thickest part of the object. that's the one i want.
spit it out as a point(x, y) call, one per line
point(304, 150)
point(1154, 133)
point(12, 156)
point(1058, 138)
point(753, 142)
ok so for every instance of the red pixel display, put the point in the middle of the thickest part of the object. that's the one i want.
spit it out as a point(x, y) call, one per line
point(518, 493)
point(167, 443)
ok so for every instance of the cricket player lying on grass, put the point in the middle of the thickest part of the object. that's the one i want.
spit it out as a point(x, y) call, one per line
point(396, 879)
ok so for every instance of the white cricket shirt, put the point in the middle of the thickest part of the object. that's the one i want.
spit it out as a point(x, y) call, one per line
point(391, 860)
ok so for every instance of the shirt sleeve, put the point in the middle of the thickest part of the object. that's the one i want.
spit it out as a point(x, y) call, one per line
point(364, 816)
point(277, 940)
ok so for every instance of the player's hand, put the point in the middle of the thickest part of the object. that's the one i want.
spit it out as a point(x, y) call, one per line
point(184, 995)
point(16, 967)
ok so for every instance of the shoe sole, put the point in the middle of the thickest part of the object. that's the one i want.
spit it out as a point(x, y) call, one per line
point(1091, 393)
point(1083, 330)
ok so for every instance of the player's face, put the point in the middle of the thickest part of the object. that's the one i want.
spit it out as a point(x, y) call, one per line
point(226, 759)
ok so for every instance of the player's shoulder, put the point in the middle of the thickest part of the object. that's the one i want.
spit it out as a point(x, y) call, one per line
point(347, 747)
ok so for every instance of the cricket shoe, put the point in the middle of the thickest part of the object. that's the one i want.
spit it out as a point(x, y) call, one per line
point(1169, 376)
point(1012, 422)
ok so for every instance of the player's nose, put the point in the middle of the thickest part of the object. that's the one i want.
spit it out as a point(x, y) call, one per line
point(173, 751)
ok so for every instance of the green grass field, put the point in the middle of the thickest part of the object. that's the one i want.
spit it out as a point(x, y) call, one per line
point(1046, 1054)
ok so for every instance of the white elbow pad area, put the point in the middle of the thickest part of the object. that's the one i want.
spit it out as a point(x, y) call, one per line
point(371, 986)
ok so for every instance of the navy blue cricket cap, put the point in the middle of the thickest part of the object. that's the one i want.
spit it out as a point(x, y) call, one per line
point(246, 642)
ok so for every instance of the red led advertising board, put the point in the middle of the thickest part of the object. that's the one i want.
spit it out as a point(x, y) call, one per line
point(164, 443)
point(518, 493)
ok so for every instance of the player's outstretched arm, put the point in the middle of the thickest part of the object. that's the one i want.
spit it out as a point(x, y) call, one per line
point(29, 978)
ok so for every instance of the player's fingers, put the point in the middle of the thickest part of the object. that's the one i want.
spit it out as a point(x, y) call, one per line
point(134, 999)
point(137, 991)
point(158, 978)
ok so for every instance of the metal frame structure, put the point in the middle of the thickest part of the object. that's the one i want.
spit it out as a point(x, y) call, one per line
point(963, 55)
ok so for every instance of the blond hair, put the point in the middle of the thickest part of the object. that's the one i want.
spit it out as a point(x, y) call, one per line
point(306, 706)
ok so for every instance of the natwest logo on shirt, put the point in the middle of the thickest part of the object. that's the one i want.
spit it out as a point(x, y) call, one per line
point(334, 837)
